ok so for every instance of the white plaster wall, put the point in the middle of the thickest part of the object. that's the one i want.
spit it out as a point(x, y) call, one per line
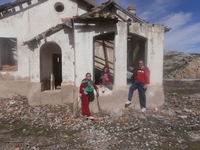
point(155, 54)
point(81, 11)
point(13, 28)
point(34, 65)
point(44, 16)
point(63, 40)
point(155, 47)
point(83, 52)
point(84, 48)
point(26, 23)
point(120, 54)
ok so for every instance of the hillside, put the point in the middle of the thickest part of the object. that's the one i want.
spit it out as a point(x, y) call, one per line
point(181, 65)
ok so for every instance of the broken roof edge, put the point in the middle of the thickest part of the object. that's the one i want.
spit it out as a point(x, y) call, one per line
point(68, 21)
point(134, 16)
point(12, 4)
point(90, 2)
point(101, 7)
point(167, 29)
point(95, 20)
point(128, 13)
point(46, 33)
point(97, 17)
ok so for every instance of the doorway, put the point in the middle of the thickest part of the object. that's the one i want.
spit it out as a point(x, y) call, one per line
point(57, 70)
point(136, 51)
point(103, 55)
point(50, 66)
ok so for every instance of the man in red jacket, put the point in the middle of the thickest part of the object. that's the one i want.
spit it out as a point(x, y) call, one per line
point(142, 79)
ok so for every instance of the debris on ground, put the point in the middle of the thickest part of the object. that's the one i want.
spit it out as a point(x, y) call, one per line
point(175, 125)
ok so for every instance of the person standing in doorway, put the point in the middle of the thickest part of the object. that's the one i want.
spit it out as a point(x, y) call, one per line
point(130, 75)
point(86, 92)
point(105, 79)
point(140, 83)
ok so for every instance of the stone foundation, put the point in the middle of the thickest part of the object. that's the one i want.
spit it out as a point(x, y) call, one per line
point(119, 95)
point(108, 100)
point(10, 88)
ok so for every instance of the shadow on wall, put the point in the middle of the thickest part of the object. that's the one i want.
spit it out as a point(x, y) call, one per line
point(70, 33)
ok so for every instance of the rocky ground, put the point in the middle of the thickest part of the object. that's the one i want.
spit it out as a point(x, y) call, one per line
point(181, 65)
point(176, 125)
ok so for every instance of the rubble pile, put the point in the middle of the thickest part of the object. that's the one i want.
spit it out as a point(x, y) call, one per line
point(176, 125)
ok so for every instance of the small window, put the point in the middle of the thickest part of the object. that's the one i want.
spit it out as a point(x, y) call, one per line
point(8, 54)
point(59, 7)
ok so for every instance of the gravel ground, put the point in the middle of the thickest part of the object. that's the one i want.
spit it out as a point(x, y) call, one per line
point(175, 125)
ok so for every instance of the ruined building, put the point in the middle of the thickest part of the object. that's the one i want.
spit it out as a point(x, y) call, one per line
point(47, 47)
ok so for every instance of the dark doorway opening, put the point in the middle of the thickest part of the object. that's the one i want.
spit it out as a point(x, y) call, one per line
point(50, 66)
point(103, 55)
point(57, 70)
point(136, 51)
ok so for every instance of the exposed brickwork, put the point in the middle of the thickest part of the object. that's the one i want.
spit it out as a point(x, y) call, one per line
point(9, 68)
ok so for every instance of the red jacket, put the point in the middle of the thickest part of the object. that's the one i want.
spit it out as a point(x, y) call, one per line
point(107, 77)
point(142, 75)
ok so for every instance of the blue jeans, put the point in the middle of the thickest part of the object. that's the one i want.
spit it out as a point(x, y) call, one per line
point(141, 92)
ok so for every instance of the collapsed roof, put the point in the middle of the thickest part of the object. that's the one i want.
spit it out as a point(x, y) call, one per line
point(96, 13)
point(11, 5)
point(90, 2)
point(46, 33)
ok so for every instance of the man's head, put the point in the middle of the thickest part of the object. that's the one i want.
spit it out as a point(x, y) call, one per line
point(141, 63)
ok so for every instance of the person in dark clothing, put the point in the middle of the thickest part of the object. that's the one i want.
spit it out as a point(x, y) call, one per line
point(105, 79)
point(142, 79)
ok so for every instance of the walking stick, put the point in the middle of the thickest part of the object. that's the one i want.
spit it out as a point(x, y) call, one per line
point(99, 108)
point(78, 104)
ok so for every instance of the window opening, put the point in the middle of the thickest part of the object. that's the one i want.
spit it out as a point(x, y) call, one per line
point(8, 54)
point(59, 7)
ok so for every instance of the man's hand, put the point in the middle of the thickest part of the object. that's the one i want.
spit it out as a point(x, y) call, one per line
point(131, 68)
point(145, 86)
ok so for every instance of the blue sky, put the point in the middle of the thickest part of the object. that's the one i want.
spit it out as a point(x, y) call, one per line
point(182, 16)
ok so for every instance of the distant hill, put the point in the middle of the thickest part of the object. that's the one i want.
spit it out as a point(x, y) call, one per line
point(181, 65)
